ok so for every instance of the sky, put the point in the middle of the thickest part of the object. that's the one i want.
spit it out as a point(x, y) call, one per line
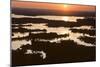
point(51, 6)
point(87, 2)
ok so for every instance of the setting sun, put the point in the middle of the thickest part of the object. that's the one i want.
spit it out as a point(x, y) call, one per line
point(65, 5)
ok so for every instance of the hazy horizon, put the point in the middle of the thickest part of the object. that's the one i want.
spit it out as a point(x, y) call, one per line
point(40, 8)
point(52, 6)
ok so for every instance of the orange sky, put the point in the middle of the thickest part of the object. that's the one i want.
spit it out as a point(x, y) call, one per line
point(61, 7)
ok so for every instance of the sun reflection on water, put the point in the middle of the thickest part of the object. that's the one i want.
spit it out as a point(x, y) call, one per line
point(59, 30)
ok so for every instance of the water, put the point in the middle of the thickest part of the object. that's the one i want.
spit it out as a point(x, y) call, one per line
point(42, 53)
point(16, 44)
point(63, 18)
point(58, 30)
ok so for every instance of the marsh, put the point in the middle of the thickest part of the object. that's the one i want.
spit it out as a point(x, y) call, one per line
point(48, 36)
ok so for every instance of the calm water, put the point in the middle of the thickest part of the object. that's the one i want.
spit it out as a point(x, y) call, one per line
point(63, 18)
point(59, 30)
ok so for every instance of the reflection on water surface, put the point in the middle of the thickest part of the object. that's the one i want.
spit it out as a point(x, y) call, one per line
point(74, 36)
point(58, 30)
point(63, 18)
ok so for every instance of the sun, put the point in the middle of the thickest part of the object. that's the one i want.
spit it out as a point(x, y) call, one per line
point(65, 5)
